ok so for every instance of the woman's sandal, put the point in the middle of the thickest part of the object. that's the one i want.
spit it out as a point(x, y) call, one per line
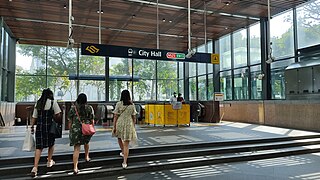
point(124, 166)
point(34, 172)
point(75, 171)
point(88, 160)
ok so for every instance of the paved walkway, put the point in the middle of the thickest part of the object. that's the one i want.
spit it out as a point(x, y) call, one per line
point(11, 138)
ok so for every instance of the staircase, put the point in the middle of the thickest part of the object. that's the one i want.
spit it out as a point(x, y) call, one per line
point(149, 159)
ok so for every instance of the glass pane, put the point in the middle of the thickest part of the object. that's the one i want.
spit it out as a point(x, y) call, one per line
point(226, 84)
point(167, 70)
point(6, 52)
point(92, 65)
point(282, 38)
point(120, 66)
point(256, 82)
point(115, 88)
point(277, 78)
point(181, 87)
point(308, 24)
point(202, 68)
point(210, 50)
point(210, 87)
point(144, 90)
point(63, 88)
point(225, 52)
point(192, 69)
point(241, 84)
point(29, 88)
point(202, 48)
point(255, 44)
point(240, 48)
point(181, 68)
point(144, 69)
point(202, 88)
point(192, 89)
point(210, 68)
point(166, 89)
point(95, 90)
point(31, 59)
point(63, 61)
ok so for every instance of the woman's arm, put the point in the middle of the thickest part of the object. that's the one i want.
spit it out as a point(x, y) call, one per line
point(115, 119)
point(133, 119)
point(33, 121)
point(69, 123)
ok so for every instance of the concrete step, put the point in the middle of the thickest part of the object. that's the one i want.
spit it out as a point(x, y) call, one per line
point(143, 158)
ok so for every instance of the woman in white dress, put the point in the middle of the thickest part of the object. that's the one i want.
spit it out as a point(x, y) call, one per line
point(124, 124)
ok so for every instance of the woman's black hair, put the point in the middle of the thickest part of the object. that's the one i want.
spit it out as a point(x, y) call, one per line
point(125, 97)
point(82, 101)
point(46, 94)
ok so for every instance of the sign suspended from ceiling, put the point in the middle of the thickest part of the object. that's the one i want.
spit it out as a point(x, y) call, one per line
point(141, 53)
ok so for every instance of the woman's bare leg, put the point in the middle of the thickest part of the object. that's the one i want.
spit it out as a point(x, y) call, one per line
point(76, 156)
point(50, 153)
point(86, 152)
point(37, 155)
point(120, 144)
point(125, 151)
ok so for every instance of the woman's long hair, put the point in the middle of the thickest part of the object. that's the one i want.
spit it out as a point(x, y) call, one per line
point(46, 94)
point(125, 97)
point(82, 101)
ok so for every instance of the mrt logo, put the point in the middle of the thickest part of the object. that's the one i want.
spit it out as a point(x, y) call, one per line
point(92, 49)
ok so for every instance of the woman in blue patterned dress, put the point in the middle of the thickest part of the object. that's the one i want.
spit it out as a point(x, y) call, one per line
point(85, 112)
point(45, 108)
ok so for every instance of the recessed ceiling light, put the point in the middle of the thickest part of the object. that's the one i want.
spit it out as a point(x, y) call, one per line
point(163, 20)
point(226, 28)
point(227, 3)
point(101, 11)
point(133, 15)
point(170, 21)
point(65, 6)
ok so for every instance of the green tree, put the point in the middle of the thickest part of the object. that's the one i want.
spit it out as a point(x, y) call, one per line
point(58, 63)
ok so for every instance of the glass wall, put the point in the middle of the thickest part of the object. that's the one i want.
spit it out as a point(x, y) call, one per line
point(240, 48)
point(281, 32)
point(277, 78)
point(58, 68)
point(32, 67)
point(241, 84)
point(225, 52)
point(167, 79)
point(119, 67)
point(226, 84)
point(256, 82)
point(255, 44)
point(308, 25)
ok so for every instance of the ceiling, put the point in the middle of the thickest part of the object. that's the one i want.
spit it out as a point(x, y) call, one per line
point(133, 22)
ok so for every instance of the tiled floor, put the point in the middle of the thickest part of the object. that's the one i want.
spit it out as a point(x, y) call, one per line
point(306, 167)
point(11, 139)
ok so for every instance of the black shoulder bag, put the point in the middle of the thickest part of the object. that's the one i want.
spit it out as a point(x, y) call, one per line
point(55, 128)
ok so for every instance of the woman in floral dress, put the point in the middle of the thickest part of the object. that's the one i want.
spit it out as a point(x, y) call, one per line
point(124, 124)
point(85, 112)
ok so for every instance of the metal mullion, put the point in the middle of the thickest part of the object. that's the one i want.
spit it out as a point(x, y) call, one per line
point(46, 66)
point(232, 66)
point(295, 35)
point(248, 63)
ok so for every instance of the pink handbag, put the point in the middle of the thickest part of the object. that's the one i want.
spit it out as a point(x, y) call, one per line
point(87, 129)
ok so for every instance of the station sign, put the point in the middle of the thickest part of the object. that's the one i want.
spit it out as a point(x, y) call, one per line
point(215, 59)
point(141, 53)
